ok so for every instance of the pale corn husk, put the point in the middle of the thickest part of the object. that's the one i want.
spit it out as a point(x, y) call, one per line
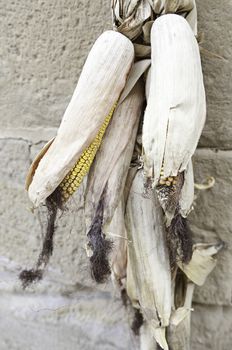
point(131, 287)
point(129, 16)
point(136, 72)
point(197, 270)
point(187, 191)
point(148, 83)
point(202, 262)
point(113, 159)
point(148, 258)
point(100, 84)
point(147, 341)
point(131, 282)
point(192, 18)
point(170, 6)
point(35, 163)
point(134, 19)
point(175, 112)
point(178, 333)
point(116, 231)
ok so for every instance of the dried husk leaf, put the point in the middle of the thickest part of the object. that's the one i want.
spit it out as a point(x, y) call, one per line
point(147, 341)
point(131, 285)
point(146, 32)
point(171, 6)
point(202, 262)
point(142, 50)
point(129, 16)
point(196, 271)
point(178, 332)
point(116, 231)
point(148, 83)
point(134, 18)
point(148, 258)
point(93, 98)
point(136, 72)
point(175, 112)
point(35, 163)
point(192, 18)
point(113, 159)
point(187, 191)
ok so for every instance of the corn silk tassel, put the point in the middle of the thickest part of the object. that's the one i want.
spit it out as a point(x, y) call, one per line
point(173, 122)
point(107, 178)
point(62, 164)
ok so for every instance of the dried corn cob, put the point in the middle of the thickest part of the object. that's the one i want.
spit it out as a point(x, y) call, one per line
point(176, 110)
point(100, 85)
point(173, 191)
point(73, 179)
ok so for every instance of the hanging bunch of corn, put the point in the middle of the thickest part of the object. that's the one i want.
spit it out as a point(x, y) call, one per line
point(173, 121)
point(140, 185)
point(160, 252)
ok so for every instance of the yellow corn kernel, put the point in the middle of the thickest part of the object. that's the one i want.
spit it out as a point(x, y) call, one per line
point(162, 182)
point(75, 176)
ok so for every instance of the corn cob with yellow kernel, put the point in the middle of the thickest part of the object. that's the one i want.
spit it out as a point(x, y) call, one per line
point(173, 122)
point(100, 85)
point(73, 179)
point(174, 117)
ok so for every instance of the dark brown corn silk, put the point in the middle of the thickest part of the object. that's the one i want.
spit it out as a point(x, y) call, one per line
point(137, 321)
point(178, 234)
point(99, 245)
point(53, 203)
point(179, 240)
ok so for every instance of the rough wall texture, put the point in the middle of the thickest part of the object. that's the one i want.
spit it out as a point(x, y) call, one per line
point(43, 45)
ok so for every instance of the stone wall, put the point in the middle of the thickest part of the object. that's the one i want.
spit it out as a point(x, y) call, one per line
point(43, 45)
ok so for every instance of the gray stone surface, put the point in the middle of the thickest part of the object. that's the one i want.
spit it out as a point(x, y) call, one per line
point(84, 320)
point(211, 327)
point(211, 221)
point(215, 25)
point(43, 45)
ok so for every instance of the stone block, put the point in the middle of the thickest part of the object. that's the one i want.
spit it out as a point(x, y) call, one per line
point(43, 47)
point(211, 327)
point(86, 320)
point(214, 22)
point(211, 221)
point(14, 160)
